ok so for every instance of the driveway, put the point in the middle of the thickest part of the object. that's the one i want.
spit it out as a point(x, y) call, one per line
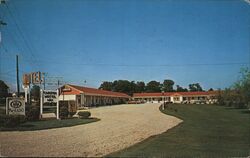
point(120, 127)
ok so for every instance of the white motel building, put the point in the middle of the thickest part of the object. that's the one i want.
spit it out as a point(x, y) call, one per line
point(77, 96)
point(208, 97)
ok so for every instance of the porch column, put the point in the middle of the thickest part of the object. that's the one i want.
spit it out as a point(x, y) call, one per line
point(82, 99)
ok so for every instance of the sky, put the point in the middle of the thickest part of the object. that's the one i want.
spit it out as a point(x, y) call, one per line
point(192, 41)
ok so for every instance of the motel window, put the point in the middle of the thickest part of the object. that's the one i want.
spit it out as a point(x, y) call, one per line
point(176, 98)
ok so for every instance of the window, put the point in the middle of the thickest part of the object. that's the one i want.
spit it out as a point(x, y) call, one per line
point(176, 98)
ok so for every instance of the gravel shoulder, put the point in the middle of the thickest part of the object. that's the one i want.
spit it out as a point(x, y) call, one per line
point(120, 127)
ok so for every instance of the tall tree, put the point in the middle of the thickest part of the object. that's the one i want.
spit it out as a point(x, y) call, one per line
point(3, 89)
point(180, 89)
point(168, 85)
point(195, 87)
point(133, 87)
point(153, 86)
point(106, 86)
point(140, 87)
point(122, 86)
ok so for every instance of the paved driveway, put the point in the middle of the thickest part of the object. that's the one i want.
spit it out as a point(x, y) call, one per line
point(120, 126)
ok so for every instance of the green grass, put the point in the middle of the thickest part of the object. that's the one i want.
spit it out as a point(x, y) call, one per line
point(207, 131)
point(49, 124)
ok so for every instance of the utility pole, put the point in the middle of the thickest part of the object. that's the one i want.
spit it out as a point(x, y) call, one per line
point(43, 81)
point(17, 77)
point(58, 83)
point(2, 23)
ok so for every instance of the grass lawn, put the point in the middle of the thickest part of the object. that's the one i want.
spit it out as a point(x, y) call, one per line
point(48, 124)
point(207, 131)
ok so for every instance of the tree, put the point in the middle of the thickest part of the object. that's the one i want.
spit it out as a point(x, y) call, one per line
point(133, 87)
point(211, 89)
point(122, 86)
point(180, 89)
point(140, 87)
point(106, 86)
point(168, 85)
point(153, 86)
point(35, 92)
point(242, 87)
point(3, 89)
point(195, 87)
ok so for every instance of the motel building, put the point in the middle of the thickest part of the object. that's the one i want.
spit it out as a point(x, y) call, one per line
point(77, 97)
point(209, 97)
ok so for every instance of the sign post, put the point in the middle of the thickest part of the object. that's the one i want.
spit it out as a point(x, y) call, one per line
point(26, 91)
point(41, 103)
point(26, 85)
point(49, 96)
point(57, 105)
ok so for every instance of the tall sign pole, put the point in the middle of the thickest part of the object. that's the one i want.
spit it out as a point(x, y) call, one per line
point(57, 104)
point(41, 103)
point(17, 76)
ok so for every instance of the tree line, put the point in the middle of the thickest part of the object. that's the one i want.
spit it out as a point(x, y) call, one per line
point(238, 95)
point(130, 87)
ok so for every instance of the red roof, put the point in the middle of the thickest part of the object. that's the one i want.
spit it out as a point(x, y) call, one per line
point(174, 94)
point(79, 89)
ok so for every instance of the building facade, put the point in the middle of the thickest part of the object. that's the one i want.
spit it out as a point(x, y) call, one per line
point(77, 96)
point(209, 97)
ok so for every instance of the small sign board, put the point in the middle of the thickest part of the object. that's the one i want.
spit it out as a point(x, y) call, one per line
point(15, 106)
point(26, 79)
point(36, 77)
point(49, 96)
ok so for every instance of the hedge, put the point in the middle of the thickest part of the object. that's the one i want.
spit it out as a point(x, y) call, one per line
point(84, 114)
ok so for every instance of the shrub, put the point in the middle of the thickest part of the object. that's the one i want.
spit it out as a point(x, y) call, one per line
point(33, 113)
point(63, 112)
point(11, 120)
point(84, 114)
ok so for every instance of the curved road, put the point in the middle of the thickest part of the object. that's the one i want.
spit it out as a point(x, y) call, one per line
point(120, 126)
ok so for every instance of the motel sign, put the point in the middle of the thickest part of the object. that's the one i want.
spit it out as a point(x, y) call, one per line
point(49, 96)
point(15, 106)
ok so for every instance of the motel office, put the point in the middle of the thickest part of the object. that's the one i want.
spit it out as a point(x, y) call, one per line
point(76, 97)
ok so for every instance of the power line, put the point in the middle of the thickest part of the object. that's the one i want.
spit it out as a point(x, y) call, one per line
point(145, 65)
point(21, 34)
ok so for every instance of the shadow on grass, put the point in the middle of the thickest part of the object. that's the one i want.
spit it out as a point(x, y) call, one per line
point(27, 126)
point(245, 111)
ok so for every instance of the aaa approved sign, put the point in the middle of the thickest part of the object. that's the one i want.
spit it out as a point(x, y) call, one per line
point(15, 106)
